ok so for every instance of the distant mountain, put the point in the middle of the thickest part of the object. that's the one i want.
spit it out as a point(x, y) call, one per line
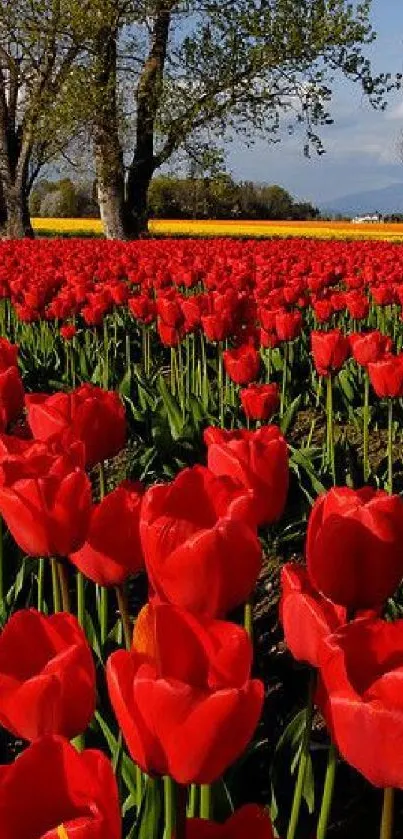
point(385, 201)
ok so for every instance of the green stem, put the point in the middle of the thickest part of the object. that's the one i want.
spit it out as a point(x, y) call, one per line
point(390, 443)
point(248, 617)
point(330, 437)
point(284, 379)
point(124, 616)
point(220, 384)
point(303, 761)
point(64, 586)
point(128, 353)
point(366, 427)
point(104, 614)
point(55, 586)
point(204, 371)
point(41, 581)
point(139, 787)
point(73, 362)
point(80, 598)
point(169, 807)
point(173, 371)
point(327, 793)
point(106, 356)
point(205, 802)
point(102, 480)
point(193, 801)
point(386, 831)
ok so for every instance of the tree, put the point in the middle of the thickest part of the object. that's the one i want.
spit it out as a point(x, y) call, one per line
point(39, 42)
point(63, 199)
point(200, 71)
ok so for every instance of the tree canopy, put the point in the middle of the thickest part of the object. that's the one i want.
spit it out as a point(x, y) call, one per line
point(155, 80)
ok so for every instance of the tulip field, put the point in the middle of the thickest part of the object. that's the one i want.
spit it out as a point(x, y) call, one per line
point(241, 228)
point(201, 539)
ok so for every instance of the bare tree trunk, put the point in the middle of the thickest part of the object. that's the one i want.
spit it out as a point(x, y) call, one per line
point(136, 205)
point(14, 157)
point(110, 186)
point(107, 148)
point(15, 222)
point(148, 100)
point(125, 213)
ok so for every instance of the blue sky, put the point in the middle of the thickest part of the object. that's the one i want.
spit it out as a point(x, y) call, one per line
point(362, 145)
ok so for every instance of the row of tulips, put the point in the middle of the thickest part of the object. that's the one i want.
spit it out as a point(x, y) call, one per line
point(259, 317)
point(211, 322)
point(182, 691)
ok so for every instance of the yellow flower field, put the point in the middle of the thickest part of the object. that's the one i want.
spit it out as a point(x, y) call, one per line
point(248, 229)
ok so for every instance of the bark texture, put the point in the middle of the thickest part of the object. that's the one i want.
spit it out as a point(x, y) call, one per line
point(124, 207)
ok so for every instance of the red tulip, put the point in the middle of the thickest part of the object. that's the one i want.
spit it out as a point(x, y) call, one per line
point(288, 325)
point(45, 498)
point(307, 617)
point(183, 696)
point(323, 310)
point(260, 402)
point(8, 354)
point(329, 351)
point(199, 552)
point(354, 546)
point(11, 396)
point(259, 461)
point(143, 308)
point(192, 309)
point(47, 676)
point(52, 785)
point(386, 376)
point(169, 336)
point(383, 295)
point(361, 698)
point(242, 364)
point(268, 340)
point(216, 327)
point(112, 550)
point(249, 820)
point(267, 318)
point(95, 416)
point(68, 331)
point(369, 347)
point(357, 304)
point(170, 312)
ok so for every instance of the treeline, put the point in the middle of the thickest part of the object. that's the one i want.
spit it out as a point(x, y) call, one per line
point(171, 197)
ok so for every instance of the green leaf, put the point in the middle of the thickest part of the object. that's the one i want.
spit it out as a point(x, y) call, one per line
point(293, 733)
point(346, 385)
point(149, 821)
point(125, 385)
point(302, 460)
point(290, 414)
point(288, 750)
point(18, 584)
point(173, 410)
point(92, 636)
point(128, 767)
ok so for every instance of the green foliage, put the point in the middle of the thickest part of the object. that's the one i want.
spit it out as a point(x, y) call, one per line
point(220, 197)
point(63, 199)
